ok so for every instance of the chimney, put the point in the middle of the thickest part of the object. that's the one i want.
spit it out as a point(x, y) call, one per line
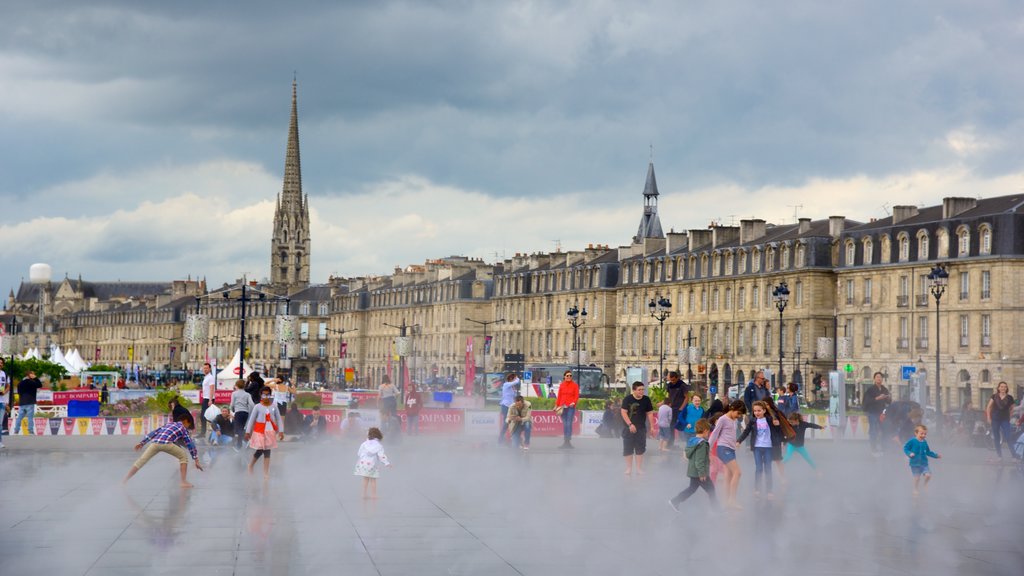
point(836, 225)
point(954, 206)
point(675, 240)
point(652, 245)
point(901, 213)
point(721, 235)
point(699, 239)
point(804, 226)
point(751, 230)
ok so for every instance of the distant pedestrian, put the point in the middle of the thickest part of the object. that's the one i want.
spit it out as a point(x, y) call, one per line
point(27, 389)
point(209, 392)
point(636, 411)
point(997, 412)
point(757, 389)
point(789, 401)
point(263, 430)
point(918, 451)
point(168, 438)
point(876, 398)
point(370, 456)
point(413, 407)
point(698, 467)
point(568, 396)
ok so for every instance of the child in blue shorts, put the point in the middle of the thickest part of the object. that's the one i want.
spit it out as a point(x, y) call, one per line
point(918, 451)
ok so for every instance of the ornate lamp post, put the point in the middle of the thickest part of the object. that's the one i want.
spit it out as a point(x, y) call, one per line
point(780, 294)
point(660, 309)
point(938, 278)
point(577, 317)
point(485, 324)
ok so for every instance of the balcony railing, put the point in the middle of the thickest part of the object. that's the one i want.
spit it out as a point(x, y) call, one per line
point(986, 294)
point(849, 300)
point(922, 300)
point(964, 341)
point(867, 341)
point(986, 340)
point(867, 300)
point(902, 301)
point(965, 295)
point(902, 343)
point(922, 343)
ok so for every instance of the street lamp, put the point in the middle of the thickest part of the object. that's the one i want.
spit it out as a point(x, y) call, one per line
point(403, 352)
point(342, 349)
point(660, 309)
point(577, 317)
point(938, 278)
point(485, 324)
point(780, 294)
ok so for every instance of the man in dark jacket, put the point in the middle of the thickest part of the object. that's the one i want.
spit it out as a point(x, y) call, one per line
point(677, 390)
point(757, 389)
point(27, 389)
point(876, 399)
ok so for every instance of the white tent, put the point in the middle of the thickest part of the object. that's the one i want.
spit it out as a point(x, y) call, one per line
point(226, 377)
point(75, 359)
point(33, 353)
point(57, 357)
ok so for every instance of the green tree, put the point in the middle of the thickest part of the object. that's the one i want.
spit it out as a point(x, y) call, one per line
point(18, 369)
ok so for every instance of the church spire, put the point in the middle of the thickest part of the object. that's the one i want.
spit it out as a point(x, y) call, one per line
point(650, 224)
point(290, 244)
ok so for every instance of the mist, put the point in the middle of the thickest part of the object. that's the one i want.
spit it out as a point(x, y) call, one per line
point(464, 505)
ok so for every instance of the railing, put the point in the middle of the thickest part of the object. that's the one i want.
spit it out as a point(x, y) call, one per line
point(986, 340)
point(867, 341)
point(922, 300)
point(902, 301)
point(867, 300)
point(902, 343)
point(964, 295)
point(964, 341)
point(922, 343)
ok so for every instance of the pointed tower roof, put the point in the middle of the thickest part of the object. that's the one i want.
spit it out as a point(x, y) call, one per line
point(291, 191)
point(650, 224)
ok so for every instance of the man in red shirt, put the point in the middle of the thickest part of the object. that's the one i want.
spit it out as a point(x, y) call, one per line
point(568, 396)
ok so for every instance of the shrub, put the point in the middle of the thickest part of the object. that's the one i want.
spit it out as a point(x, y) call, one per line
point(307, 400)
point(157, 404)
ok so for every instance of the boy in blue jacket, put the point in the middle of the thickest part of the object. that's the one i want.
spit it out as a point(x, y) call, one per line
point(918, 451)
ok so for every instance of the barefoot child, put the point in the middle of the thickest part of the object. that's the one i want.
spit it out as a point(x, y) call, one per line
point(918, 451)
point(664, 425)
point(765, 435)
point(165, 439)
point(699, 466)
point(263, 429)
point(371, 455)
point(725, 436)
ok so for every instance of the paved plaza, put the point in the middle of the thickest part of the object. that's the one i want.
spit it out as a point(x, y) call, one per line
point(465, 506)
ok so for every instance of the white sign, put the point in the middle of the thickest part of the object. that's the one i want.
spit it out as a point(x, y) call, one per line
point(341, 398)
point(591, 420)
point(481, 423)
point(190, 395)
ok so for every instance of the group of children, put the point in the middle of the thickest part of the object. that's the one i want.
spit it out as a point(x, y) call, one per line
point(767, 435)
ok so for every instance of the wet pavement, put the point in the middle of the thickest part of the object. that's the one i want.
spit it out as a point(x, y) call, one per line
point(466, 506)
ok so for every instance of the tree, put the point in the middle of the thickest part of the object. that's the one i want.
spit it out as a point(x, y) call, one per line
point(17, 369)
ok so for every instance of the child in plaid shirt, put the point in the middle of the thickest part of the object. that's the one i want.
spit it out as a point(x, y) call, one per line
point(166, 439)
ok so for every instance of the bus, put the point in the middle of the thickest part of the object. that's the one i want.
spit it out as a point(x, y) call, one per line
point(592, 380)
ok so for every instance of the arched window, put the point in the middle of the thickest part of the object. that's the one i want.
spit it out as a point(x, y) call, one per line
point(985, 240)
point(963, 241)
point(869, 249)
point(728, 263)
point(643, 343)
point(986, 376)
point(769, 259)
point(851, 253)
point(942, 238)
point(785, 258)
point(755, 260)
point(922, 245)
point(714, 264)
point(743, 262)
point(903, 241)
point(704, 266)
point(801, 255)
point(886, 246)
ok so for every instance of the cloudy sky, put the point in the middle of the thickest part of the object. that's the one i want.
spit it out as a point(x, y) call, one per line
point(146, 140)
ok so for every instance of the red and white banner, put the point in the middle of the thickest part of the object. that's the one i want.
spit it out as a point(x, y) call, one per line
point(547, 423)
point(470, 367)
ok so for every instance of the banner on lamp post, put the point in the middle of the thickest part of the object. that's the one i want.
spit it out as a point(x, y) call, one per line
point(196, 328)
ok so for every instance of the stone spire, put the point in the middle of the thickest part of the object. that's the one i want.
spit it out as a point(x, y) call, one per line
point(290, 244)
point(650, 224)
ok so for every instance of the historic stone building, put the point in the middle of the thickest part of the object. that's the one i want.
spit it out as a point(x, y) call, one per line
point(290, 243)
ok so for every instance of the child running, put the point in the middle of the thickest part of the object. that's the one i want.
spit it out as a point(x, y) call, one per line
point(165, 439)
point(725, 436)
point(699, 467)
point(766, 434)
point(371, 455)
point(263, 429)
point(918, 451)
point(796, 444)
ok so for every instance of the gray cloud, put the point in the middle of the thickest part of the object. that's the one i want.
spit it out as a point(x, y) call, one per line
point(514, 100)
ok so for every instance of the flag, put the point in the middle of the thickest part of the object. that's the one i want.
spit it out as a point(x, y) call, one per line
point(470, 367)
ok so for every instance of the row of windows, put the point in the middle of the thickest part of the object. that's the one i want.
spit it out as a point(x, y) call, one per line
point(962, 288)
point(905, 339)
point(406, 296)
point(924, 251)
point(715, 264)
point(577, 279)
point(717, 299)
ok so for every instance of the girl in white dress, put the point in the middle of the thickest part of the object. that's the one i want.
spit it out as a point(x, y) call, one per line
point(371, 456)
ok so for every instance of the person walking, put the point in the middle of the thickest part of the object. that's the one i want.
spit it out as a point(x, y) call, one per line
point(263, 430)
point(677, 391)
point(698, 467)
point(388, 402)
point(509, 389)
point(520, 421)
point(565, 403)
point(413, 406)
point(241, 407)
point(918, 452)
point(209, 392)
point(27, 389)
point(997, 412)
point(724, 435)
point(370, 456)
point(876, 399)
point(637, 409)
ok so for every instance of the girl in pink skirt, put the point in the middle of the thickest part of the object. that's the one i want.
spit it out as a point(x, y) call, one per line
point(263, 429)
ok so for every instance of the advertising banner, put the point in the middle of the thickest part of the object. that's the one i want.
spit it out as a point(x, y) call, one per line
point(482, 423)
point(192, 395)
point(547, 423)
point(591, 419)
point(62, 398)
point(438, 421)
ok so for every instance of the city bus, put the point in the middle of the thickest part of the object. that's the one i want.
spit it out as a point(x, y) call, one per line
point(592, 381)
